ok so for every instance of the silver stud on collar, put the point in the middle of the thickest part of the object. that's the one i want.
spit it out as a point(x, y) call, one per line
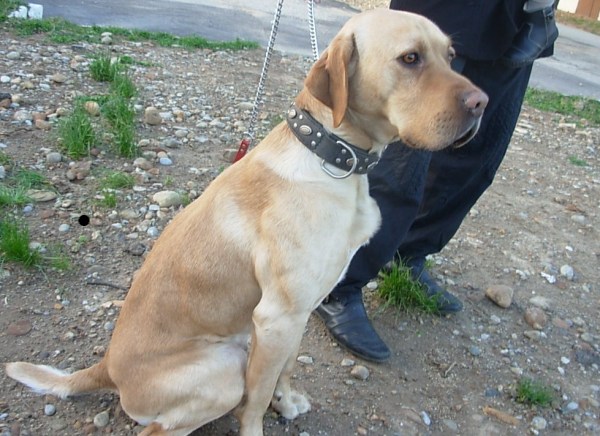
point(292, 113)
point(304, 129)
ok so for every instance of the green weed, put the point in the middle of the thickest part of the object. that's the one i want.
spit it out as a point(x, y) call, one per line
point(14, 243)
point(77, 135)
point(123, 86)
point(533, 393)
point(117, 180)
point(398, 289)
point(577, 161)
point(103, 69)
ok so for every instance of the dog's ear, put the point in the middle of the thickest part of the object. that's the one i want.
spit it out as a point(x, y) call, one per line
point(327, 81)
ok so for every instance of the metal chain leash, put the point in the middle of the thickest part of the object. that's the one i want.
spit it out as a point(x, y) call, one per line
point(258, 99)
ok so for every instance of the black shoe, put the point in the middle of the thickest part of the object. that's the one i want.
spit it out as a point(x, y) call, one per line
point(537, 34)
point(347, 321)
point(447, 303)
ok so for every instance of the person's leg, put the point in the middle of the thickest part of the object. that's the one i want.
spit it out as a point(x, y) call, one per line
point(458, 177)
point(396, 184)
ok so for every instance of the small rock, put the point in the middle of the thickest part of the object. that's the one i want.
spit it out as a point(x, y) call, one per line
point(92, 108)
point(19, 328)
point(475, 351)
point(49, 409)
point(53, 157)
point(167, 198)
point(541, 302)
point(306, 360)
point(165, 161)
point(79, 170)
point(501, 295)
point(425, 418)
point(106, 40)
point(13, 55)
point(152, 116)
point(142, 163)
point(360, 372)
point(567, 272)
point(534, 335)
point(347, 362)
point(536, 318)
point(64, 228)
point(101, 419)
point(58, 78)
point(153, 232)
point(538, 423)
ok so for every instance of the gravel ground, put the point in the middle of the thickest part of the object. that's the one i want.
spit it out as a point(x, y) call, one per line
point(534, 235)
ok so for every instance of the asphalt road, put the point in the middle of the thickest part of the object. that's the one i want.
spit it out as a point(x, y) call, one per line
point(573, 70)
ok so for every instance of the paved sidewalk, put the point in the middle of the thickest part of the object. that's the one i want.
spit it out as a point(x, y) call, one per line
point(574, 70)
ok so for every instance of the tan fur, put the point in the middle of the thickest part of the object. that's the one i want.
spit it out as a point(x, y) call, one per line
point(268, 239)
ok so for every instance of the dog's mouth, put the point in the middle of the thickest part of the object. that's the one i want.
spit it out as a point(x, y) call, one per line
point(468, 135)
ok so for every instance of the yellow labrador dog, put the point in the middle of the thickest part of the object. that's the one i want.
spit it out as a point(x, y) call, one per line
point(214, 318)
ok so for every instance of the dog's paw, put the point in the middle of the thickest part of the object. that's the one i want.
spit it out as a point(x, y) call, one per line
point(292, 406)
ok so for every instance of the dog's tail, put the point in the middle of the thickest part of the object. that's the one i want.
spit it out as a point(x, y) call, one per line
point(45, 379)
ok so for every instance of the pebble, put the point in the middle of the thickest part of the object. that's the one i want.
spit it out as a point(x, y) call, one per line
point(92, 108)
point(101, 419)
point(347, 362)
point(167, 198)
point(306, 360)
point(360, 372)
point(64, 228)
point(538, 423)
point(475, 350)
point(142, 163)
point(53, 157)
point(541, 302)
point(501, 295)
point(13, 55)
point(49, 409)
point(41, 195)
point(153, 232)
point(567, 272)
point(19, 328)
point(536, 318)
point(165, 161)
point(152, 116)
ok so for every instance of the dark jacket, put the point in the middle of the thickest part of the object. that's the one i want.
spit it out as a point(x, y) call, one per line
point(480, 29)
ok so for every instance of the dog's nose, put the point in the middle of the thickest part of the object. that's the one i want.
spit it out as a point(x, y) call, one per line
point(475, 102)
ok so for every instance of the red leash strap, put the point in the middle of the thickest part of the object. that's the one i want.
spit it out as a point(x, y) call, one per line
point(242, 150)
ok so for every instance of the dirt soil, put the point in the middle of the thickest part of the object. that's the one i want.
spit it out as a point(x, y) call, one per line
point(535, 230)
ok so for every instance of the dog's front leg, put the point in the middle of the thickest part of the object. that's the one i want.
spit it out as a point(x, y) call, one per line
point(286, 401)
point(276, 339)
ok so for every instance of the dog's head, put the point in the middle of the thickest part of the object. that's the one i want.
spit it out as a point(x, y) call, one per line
point(387, 73)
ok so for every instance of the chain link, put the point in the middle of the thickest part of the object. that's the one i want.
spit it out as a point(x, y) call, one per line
point(258, 99)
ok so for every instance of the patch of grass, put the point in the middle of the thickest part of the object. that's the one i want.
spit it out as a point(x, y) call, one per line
point(121, 117)
point(108, 200)
point(533, 393)
point(14, 243)
point(13, 196)
point(123, 86)
point(28, 179)
point(5, 159)
point(8, 6)
point(398, 289)
point(58, 259)
point(583, 23)
point(61, 31)
point(117, 180)
point(77, 135)
point(103, 69)
point(578, 107)
point(577, 161)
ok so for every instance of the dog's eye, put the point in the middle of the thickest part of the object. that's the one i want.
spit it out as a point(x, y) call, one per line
point(451, 55)
point(410, 58)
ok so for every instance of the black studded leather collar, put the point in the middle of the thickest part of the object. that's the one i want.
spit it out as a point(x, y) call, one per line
point(329, 147)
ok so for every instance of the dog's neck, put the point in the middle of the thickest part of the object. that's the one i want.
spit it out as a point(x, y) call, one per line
point(334, 150)
point(345, 147)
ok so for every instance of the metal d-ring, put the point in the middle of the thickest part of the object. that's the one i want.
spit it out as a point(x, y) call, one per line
point(350, 171)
